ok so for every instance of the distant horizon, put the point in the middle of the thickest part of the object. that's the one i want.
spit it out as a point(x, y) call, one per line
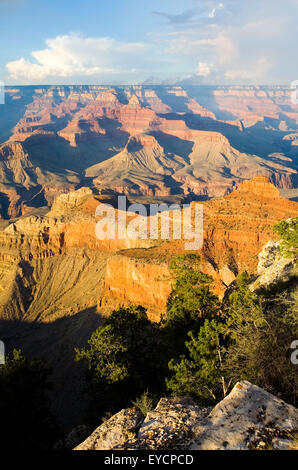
point(205, 85)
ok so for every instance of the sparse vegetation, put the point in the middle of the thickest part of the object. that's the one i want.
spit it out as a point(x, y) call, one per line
point(261, 330)
point(122, 361)
point(288, 231)
point(201, 374)
point(145, 402)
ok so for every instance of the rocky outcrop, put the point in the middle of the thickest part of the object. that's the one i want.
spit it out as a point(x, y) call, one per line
point(253, 104)
point(259, 186)
point(248, 418)
point(272, 266)
point(156, 165)
point(114, 432)
point(292, 138)
point(136, 271)
point(69, 201)
point(236, 228)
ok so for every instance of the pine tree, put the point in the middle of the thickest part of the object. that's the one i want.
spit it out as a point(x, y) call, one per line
point(190, 301)
point(201, 374)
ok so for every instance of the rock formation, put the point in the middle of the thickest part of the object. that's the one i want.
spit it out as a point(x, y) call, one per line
point(236, 228)
point(151, 141)
point(248, 418)
point(273, 266)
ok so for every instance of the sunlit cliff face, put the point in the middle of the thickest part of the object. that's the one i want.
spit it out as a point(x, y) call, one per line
point(39, 251)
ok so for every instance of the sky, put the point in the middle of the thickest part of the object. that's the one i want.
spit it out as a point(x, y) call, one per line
point(148, 41)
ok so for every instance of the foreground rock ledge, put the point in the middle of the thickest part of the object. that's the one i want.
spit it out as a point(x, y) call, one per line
point(248, 418)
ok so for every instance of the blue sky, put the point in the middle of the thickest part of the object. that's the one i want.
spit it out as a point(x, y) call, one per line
point(129, 41)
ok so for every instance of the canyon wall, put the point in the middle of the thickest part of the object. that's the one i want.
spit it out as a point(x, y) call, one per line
point(129, 271)
point(152, 141)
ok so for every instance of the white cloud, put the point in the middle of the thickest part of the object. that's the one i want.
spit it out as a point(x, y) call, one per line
point(74, 55)
point(188, 46)
point(247, 41)
point(257, 71)
point(22, 68)
point(203, 69)
point(226, 49)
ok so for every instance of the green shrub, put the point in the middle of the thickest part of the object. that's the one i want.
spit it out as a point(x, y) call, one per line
point(288, 231)
point(145, 403)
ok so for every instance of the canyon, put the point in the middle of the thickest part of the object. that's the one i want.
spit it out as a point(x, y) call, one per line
point(153, 141)
point(65, 150)
point(58, 282)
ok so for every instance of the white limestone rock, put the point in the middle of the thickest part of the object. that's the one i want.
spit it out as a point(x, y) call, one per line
point(248, 418)
point(115, 432)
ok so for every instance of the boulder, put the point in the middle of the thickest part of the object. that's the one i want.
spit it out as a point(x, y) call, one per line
point(248, 418)
point(114, 432)
point(170, 425)
point(272, 266)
